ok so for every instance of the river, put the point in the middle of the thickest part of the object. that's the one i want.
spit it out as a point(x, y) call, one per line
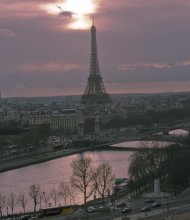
point(49, 174)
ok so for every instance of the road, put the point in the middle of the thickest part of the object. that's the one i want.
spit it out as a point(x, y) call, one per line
point(174, 207)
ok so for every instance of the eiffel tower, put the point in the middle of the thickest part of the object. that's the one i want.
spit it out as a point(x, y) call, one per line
point(95, 92)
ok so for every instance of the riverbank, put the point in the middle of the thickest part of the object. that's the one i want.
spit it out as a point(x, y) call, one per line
point(6, 165)
point(27, 161)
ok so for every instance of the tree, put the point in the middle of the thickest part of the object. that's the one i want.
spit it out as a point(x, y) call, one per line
point(22, 201)
point(72, 194)
point(12, 201)
point(2, 203)
point(54, 194)
point(64, 191)
point(103, 180)
point(82, 177)
point(147, 164)
point(45, 198)
point(34, 193)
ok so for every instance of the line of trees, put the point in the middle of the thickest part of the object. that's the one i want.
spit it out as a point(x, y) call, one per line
point(170, 164)
point(85, 179)
point(149, 118)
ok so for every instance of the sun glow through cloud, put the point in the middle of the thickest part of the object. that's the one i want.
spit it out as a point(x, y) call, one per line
point(79, 9)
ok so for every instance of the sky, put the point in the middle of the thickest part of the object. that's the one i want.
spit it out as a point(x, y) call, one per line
point(143, 46)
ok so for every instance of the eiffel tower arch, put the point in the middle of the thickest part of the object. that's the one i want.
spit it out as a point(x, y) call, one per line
point(95, 92)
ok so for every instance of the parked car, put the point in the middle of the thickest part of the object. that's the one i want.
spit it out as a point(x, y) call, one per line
point(121, 204)
point(126, 210)
point(149, 201)
point(146, 209)
point(156, 205)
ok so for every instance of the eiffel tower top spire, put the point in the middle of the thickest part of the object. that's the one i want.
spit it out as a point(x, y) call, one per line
point(95, 92)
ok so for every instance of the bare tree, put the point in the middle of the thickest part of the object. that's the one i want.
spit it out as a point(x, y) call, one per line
point(2, 203)
point(103, 180)
point(72, 194)
point(22, 201)
point(34, 193)
point(45, 198)
point(12, 201)
point(54, 194)
point(82, 177)
point(64, 191)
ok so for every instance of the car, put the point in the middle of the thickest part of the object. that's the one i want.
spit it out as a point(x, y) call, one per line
point(156, 205)
point(79, 211)
point(25, 217)
point(92, 209)
point(103, 208)
point(149, 201)
point(126, 210)
point(146, 209)
point(121, 204)
point(34, 218)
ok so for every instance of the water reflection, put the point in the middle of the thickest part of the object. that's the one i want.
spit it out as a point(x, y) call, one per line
point(51, 173)
point(139, 144)
point(179, 132)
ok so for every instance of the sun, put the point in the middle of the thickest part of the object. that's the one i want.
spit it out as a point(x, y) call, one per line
point(79, 11)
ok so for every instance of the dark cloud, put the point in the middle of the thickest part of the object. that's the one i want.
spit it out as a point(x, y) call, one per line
point(139, 43)
point(151, 74)
point(66, 14)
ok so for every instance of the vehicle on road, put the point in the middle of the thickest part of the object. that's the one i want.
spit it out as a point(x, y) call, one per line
point(91, 209)
point(146, 209)
point(149, 201)
point(34, 218)
point(156, 205)
point(79, 211)
point(103, 208)
point(25, 217)
point(126, 210)
point(121, 204)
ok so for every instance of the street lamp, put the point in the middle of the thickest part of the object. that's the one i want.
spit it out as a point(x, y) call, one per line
point(40, 201)
point(94, 199)
point(167, 204)
point(44, 198)
point(108, 195)
point(113, 197)
point(1, 211)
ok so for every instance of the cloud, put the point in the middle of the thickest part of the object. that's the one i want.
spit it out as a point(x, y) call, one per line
point(149, 87)
point(71, 80)
point(141, 44)
point(6, 32)
point(50, 67)
point(66, 14)
point(123, 67)
point(147, 73)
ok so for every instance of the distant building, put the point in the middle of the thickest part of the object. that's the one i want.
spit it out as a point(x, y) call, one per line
point(67, 122)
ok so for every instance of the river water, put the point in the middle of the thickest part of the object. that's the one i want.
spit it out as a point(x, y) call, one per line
point(49, 174)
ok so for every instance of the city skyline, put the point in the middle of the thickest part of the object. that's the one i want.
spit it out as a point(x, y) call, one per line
point(45, 47)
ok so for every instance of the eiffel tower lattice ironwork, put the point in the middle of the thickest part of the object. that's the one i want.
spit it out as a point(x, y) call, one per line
point(95, 92)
